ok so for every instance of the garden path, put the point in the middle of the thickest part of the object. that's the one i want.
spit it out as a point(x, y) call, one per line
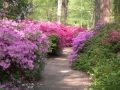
point(58, 75)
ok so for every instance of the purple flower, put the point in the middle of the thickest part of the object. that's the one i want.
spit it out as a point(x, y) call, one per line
point(78, 44)
point(91, 33)
point(18, 44)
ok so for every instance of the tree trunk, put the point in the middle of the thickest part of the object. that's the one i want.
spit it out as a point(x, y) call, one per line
point(65, 7)
point(81, 13)
point(92, 15)
point(105, 11)
point(59, 11)
point(97, 11)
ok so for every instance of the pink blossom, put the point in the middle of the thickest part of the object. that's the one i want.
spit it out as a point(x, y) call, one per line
point(65, 33)
point(118, 53)
point(113, 33)
point(103, 41)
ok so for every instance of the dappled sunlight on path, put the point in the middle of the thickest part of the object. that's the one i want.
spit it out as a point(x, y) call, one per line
point(59, 76)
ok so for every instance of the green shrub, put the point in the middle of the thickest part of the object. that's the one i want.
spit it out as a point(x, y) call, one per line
point(100, 58)
point(53, 45)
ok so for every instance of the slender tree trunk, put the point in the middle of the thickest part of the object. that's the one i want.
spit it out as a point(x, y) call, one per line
point(51, 13)
point(81, 13)
point(49, 16)
point(59, 11)
point(65, 7)
point(97, 11)
point(92, 14)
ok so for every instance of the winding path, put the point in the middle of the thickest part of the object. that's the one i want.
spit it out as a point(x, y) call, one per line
point(59, 76)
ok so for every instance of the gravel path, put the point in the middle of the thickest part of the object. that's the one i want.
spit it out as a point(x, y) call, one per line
point(59, 76)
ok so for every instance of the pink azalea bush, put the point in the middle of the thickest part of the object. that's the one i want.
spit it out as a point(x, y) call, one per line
point(112, 38)
point(22, 51)
point(65, 33)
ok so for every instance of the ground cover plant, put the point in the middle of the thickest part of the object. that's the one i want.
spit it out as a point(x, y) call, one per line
point(99, 56)
point(23, 48)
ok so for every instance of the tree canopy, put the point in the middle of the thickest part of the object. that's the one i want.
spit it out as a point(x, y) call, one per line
point(15, 9)
point(74, 12)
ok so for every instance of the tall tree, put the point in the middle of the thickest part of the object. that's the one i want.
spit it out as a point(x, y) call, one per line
point(97, 11)
point(59, 11)
point(92, 13)
point(105, 11)
point(65, 7)
point(102, 11)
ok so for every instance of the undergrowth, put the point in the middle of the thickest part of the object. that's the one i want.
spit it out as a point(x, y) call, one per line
point(100, 58)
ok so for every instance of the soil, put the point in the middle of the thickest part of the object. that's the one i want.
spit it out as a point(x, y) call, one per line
point(58, 75)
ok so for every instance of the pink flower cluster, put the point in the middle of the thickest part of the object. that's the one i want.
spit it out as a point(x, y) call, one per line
point(65, 33)
point(18, 43)
point(118, 53)
point(111, 36)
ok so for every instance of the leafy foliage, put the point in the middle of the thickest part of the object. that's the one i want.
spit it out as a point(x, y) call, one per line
point(100, 58)
point(74, 12)
point(53, 42)
point(42, 10)
point(80, 14)
point(116, 7)
point(15, 9)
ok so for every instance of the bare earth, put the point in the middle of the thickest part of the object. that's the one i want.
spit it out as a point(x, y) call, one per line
point(59, 76)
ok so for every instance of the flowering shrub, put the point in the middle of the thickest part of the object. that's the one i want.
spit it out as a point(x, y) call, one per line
point(65, 33)
point(79, 41)
point(22, 52)
point(100, 58)
point(78, 44)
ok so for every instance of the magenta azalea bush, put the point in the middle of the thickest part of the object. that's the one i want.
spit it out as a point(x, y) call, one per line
point(65, 33)
point(22, 52)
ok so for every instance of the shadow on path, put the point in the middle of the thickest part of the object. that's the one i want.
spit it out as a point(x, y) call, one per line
point(59, 76)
